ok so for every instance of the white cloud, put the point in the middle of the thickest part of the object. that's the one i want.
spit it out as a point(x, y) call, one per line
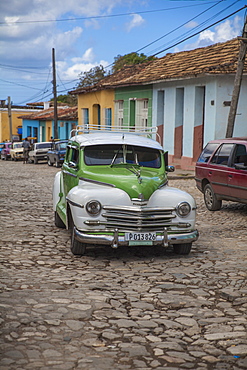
point(88, 56)
point(191, 24)
point(71, 72)
point(227, 30)
point(136, 21)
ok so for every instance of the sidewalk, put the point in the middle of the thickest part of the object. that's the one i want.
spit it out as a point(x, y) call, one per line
point(181, 174)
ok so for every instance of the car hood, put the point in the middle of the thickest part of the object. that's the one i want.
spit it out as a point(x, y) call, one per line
point(137, 182)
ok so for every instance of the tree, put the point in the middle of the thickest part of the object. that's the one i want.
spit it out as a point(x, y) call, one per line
point(67, 99)
point(91, 77)
point(129, 59)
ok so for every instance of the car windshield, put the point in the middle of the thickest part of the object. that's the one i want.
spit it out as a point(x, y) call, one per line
point(98, 155)
point(43, 145)
point(62, 146)
point(17, 145)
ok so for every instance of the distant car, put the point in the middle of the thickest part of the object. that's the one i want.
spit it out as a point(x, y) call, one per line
point(17, 151)
point(56, 155)
point(1, 147)
point(5, 152)
point(39, 151)
point(221, 172)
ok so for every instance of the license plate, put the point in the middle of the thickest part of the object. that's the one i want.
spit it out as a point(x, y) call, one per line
point(140, 238)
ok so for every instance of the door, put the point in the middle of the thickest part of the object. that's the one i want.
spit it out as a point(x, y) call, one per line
point(218, 169)
point(237, 175)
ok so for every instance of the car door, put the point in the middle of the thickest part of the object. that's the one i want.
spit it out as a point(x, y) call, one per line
point(237, 175)
point(218, 169)
point(70, 168)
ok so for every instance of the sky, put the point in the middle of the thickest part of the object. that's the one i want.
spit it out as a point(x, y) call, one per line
point(89, 33)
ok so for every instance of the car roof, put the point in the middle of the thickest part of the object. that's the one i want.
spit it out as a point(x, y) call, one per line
point(104, 138)
point(230, 139)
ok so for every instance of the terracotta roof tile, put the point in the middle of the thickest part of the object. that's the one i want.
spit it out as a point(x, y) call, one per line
point(219, 58)
point(68, 114)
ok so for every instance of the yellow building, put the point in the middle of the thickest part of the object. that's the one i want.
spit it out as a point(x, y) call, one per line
point(16, 123)
point(96, 107)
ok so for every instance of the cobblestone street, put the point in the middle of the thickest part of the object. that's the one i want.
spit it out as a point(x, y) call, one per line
point(129, 308)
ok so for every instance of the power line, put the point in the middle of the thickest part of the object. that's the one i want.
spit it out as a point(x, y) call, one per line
point(102, 16)
point(204, 29)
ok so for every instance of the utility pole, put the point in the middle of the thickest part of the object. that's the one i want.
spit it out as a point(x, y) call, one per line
point(54, 94)
point(10, 118)
point(237, 81)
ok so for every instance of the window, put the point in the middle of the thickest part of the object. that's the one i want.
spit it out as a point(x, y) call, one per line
point(85, 116)
point(141, 113)
point(207, 152)
point(119, 113)
point(98, 155)
point(222, 155)
point(108, 117)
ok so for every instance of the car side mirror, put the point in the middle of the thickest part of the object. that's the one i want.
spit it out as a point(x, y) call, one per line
point(73, 165)
point(167, 167)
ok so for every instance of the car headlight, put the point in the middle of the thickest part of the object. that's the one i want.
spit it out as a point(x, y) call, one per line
point(93, 207)
point(183, 209)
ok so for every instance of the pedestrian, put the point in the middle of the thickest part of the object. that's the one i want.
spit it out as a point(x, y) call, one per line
point(26, 148)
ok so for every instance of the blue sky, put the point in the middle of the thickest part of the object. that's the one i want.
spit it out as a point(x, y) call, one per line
point(87, 33)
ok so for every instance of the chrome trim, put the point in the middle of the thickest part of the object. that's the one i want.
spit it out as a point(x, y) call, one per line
point(69, 173)
point(116, 240)
point(97, 182)
point(74, 203)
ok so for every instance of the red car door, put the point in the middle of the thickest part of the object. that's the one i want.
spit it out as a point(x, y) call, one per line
point(237, 174)
point(218, 174)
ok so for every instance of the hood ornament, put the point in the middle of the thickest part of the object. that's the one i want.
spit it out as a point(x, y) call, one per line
point(137, 173)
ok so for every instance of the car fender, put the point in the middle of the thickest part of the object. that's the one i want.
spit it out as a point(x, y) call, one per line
point(78, 197)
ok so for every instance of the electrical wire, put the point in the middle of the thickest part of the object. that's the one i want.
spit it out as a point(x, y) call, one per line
point(102, 16)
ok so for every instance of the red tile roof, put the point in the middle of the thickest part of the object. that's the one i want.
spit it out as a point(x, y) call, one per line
point(216, 59)
point(68, 114)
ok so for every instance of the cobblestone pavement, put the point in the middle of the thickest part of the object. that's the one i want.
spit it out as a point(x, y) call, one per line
point(130, 308)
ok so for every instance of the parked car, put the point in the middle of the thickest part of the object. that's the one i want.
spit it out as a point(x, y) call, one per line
point(221, 172)
point(1, 147)
point(16, 152)
point(113, 190)
point(56, 155)
point(5, 152)
point(39, 151)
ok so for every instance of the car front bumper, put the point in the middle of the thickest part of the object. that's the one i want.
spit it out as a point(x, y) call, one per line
point(116, 240)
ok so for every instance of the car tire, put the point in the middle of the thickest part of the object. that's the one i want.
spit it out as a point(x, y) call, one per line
point(49, 162)
point(210, 200)
point(57, 165)
point(77, 248)
point(58, 221)
point(182, 248)
point(35, 160)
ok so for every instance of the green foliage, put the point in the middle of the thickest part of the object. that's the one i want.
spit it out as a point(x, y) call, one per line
point(129, 59)
point(70, 100)
point(91, 77)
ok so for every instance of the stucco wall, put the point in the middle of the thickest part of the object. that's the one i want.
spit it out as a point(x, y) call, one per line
point(218, 89)
point(4, 122)
point(104, 98)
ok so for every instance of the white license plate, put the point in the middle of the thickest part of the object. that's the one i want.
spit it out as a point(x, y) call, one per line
point(140, 238)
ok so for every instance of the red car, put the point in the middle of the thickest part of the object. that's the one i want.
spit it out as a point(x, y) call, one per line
point(221, 172)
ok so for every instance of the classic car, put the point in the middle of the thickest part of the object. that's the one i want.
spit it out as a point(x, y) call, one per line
point(39, 151)
point(55, 156)
point(5, 152)
point(221, 172)
point(113, 190)
point(16, 152)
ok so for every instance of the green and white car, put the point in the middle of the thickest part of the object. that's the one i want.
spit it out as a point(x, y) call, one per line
point(113, 190)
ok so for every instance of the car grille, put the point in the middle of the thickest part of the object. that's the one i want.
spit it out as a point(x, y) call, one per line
point(138, 218)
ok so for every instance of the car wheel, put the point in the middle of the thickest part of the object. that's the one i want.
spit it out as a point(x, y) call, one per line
point(15, 159)
point(35, 160)
point(211, 202)
point(49, 162)
point(58, 221)
point(57, 164)
point(182, 248)
point(77, 248)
